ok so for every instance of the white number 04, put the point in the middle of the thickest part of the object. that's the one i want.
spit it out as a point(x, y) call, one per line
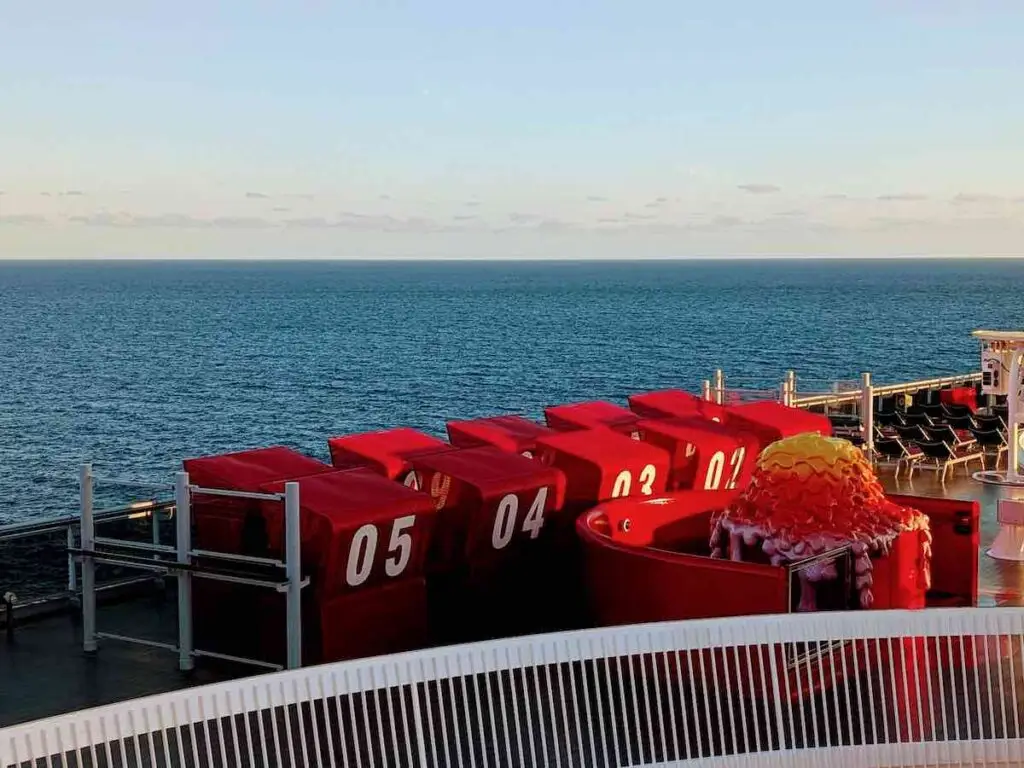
point(505, 519)
point(624, 481)
point(713, 479)
point(364, 549)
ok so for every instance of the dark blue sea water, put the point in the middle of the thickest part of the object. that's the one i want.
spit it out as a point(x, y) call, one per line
point(135, 366)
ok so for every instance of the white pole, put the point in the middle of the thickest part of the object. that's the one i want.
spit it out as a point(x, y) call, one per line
point(719, 386)
point(784, 395)
point(791, 378)
point(72, 573)
point(88, 537)
point(705, 391)
point(293, 568)
point(183, 525)
point(1013, 415)
point(867, 413)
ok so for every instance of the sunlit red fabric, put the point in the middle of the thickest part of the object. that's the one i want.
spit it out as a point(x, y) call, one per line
point(591, 414)
point(509, 433)
point(386, 451)
point(809, 494)
point(666, 403)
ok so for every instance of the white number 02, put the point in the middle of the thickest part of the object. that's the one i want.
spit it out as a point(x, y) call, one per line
point(364, 549)
point(624, 481)
point(713, 479)
point(505, 519)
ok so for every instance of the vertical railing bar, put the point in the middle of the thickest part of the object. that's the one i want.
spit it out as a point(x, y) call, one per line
point(672, 707)
point(881, 690)
point(87, 535)
point(835, 692)
point(646, 699)
point(479, 709)
point(504, 710)
point(586, 702)
point(570, 655)
point(824, 697)
point(183, 534)
point(810, 695)
point(526, 704)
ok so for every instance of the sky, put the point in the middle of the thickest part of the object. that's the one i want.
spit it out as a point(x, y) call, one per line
point(533, 129)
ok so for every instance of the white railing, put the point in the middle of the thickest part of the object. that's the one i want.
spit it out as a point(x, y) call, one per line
point(931, 687)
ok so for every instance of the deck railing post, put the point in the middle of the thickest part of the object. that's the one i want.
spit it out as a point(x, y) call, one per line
point(1013, 416)
point(88, 536)
point(791, 380)
point(72, 570)
point(183, 525)
point(719, 386)
point(867, 413)
point(705, 390)
point(293, 568)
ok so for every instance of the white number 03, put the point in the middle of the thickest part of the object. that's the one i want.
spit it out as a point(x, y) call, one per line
point(364, 548)
point(624, 482)
point(508, 510)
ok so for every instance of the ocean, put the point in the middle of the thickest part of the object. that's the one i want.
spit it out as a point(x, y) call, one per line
point(135, 366)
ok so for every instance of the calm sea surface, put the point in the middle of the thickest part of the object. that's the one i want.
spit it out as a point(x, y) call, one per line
point(135, 366)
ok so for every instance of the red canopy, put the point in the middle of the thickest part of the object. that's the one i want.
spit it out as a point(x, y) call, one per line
point(705, 455)
point(510, 433)
point(387, 451)
point(772, 421)
point(602, 464)
point(489, 499)
point(667, 403)
point(596, 413)
point(247, 470)
point(357, 526)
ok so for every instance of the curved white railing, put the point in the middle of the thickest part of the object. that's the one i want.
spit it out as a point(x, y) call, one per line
point(931, 687)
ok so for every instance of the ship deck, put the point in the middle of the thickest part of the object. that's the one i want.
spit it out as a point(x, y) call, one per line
point(45, 672)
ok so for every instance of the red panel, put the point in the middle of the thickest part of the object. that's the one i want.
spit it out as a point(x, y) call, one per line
point(493, 502)
point(509, 433)
point(667, 403)
point(960, 396)
point(955, 526)
point(772, 421)
point(897, 578)
point(220, 520)
point(704, 454)
point(386, 451)
point(680, 520)
point(628, 585)
point(589, 415)
point(358, 529)
point(390, 618)
point(602, 464)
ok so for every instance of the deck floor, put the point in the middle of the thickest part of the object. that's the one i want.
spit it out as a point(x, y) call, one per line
point(43, 671)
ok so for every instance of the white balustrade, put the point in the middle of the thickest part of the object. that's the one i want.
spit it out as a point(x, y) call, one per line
point(930, 687)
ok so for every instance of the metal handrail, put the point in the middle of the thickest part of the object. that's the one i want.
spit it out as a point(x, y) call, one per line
point(853, 396)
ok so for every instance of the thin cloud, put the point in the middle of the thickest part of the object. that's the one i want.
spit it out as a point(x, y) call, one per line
point(280, 209)
point(46, 194)
point(256, 196)
point(309, 222)
point(966, 198)
point(726, 222)
point(760, 189)
point(596, 199)
point(639, 216)
point(837, 196)
point(384, 197)
point(656, 202)
point(301, 196)
point(465, 217)
point(22, 220)
point(73, 193)
point(524, 218)
point(902, 197)
point(472, 203)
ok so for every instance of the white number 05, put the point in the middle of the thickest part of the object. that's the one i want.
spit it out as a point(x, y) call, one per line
point(364, 549)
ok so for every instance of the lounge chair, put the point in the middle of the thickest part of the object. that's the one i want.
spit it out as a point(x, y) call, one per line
point(898, 454)
point(991, 441)
point(946, 457)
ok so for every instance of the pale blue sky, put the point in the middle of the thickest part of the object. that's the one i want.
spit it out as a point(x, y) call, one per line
point(451, 127)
